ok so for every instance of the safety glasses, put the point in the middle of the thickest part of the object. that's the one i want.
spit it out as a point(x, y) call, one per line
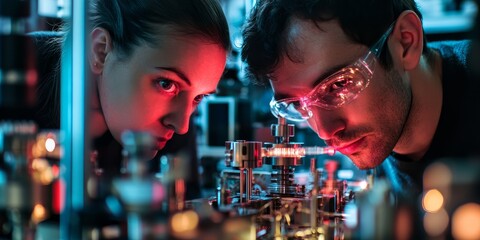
point(334, 91)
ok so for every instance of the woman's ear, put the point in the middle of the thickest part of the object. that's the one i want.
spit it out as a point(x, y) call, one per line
point(101, 45)
point(408, 44)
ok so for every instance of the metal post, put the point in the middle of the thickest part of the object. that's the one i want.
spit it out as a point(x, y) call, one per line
point(242, 183)
point(249, 184)
point(74, 120)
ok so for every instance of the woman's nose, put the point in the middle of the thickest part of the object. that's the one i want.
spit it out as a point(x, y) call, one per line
point(179, 116)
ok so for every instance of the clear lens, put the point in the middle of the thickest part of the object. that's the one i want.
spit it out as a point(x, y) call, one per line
point(340, 88)
point(294, 109)
point(335, 91)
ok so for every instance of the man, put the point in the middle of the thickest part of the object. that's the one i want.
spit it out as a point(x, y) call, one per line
point(363, 76)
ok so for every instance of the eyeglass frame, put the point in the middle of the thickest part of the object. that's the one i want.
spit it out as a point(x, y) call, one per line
point(366, 65)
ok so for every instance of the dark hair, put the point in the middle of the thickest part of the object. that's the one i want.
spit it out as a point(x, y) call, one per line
point(131, 23)
point(364, 21)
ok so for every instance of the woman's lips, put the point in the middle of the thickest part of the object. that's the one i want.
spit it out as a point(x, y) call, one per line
point(161, 142)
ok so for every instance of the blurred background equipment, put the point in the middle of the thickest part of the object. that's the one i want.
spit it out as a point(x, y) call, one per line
point(18, 79)
point(245, 175)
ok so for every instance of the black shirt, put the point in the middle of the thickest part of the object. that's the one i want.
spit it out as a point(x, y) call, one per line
point(458, 132)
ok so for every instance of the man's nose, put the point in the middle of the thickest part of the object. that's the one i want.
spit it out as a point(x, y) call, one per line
point(326, 123)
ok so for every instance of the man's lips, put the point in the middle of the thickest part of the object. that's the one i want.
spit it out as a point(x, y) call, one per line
point(351, 147)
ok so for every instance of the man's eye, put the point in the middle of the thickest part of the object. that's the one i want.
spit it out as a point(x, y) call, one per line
point(297, 104)
point(338, 85)
point(166, 85)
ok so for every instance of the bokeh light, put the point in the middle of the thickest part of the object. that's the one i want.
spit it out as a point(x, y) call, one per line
point(436, 223)
point(466, 222)
point(437, 175)
point(50, 144)
point(184, 221)
point(363, 185)
point(39, 213)
point(432, 201)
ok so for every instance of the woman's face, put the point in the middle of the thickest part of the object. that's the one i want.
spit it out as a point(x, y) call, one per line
point(156, 89)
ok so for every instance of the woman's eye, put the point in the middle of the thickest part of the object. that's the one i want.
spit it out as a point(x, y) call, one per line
point(166, 85)
point(199, 98)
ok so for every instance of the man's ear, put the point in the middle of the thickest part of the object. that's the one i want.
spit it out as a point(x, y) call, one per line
point(101, 45)
point(408, 45)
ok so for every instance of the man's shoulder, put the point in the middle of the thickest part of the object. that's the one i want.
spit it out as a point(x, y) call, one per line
point(456, 58)
point(450, 44)
point(451, 48)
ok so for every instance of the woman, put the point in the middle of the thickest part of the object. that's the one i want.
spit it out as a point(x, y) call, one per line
point(152, 62)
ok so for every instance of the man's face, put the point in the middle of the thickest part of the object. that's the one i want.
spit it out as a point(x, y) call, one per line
point(365, 129)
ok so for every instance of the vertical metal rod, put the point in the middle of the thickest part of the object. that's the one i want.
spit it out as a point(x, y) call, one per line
point(249, 183)
point(134, 226)
point(370, 177)
point(313, 202)
point(74, 119)
point(19, 227)
point(180, 194)
point(313, 166)
point(242, 184)
point(221, 192)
